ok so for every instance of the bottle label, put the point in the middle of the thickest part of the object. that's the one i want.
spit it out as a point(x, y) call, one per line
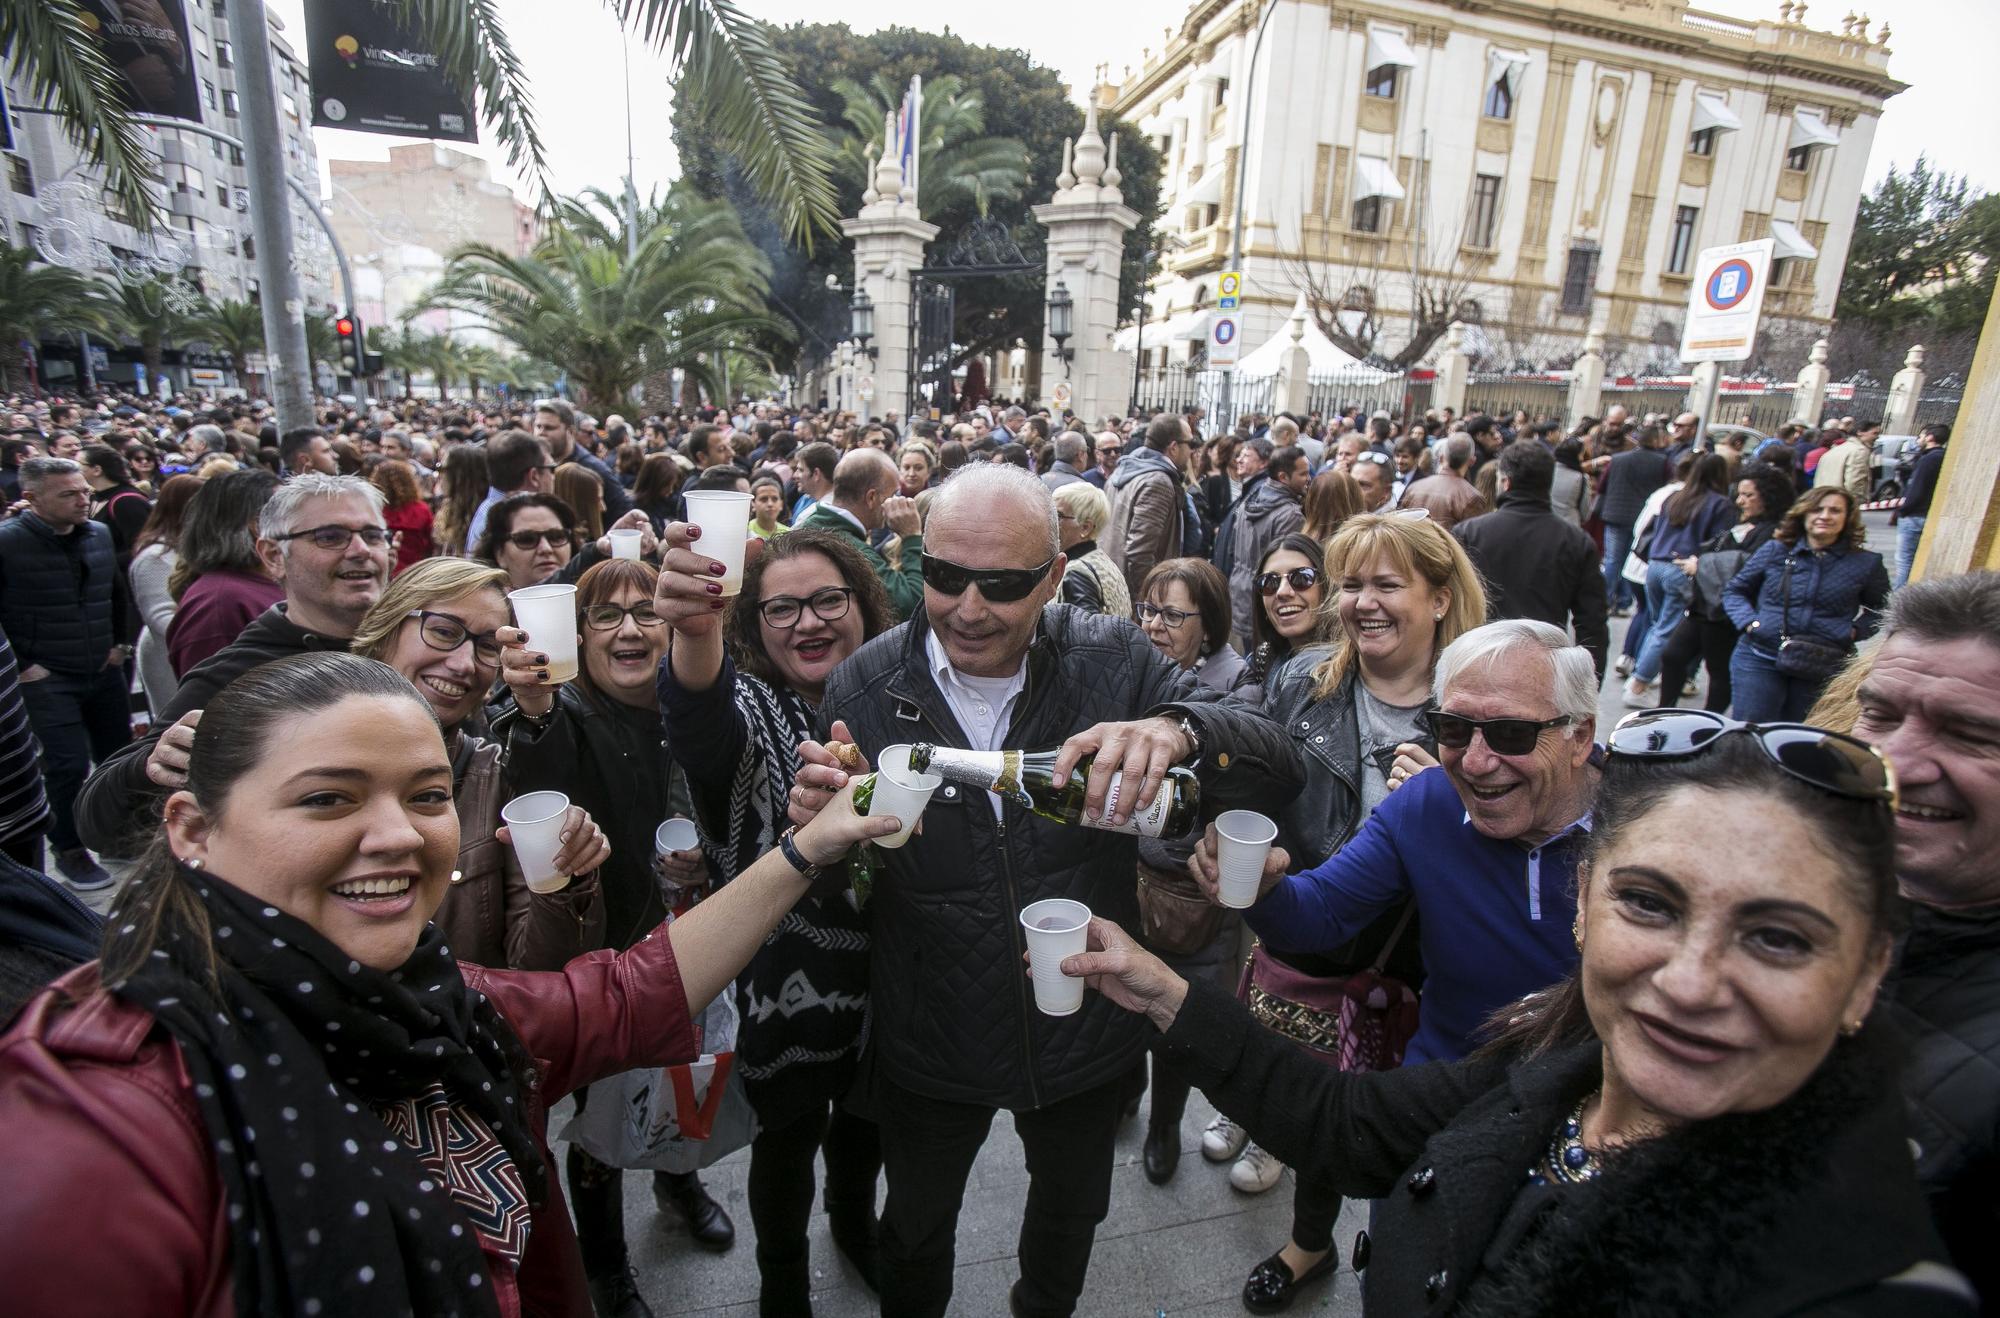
point(1144, 823)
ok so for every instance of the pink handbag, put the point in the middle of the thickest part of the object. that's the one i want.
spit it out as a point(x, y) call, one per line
point(1361, 1022)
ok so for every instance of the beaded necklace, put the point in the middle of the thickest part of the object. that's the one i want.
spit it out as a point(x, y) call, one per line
point(1567, 1161)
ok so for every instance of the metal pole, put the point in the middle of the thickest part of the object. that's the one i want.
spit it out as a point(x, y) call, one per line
point(288, 368)
point(631, 170)
point(1138, 355)
point(1242, 174)
point(1710, 390)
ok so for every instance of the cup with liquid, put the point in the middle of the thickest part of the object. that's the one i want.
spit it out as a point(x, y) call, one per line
point(548, 614)
point(900, 791)
point(534, 822)
point(1055, 928)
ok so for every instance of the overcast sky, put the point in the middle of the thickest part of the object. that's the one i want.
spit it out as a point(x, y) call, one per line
point(1943, 48)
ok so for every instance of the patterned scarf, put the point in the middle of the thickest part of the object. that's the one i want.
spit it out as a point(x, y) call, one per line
point(329, 1212)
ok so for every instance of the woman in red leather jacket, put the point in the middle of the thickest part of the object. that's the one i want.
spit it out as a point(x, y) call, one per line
point(278, 1092)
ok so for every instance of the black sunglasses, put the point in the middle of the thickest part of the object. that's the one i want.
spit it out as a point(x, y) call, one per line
point(1302, 579)
point(1000, 585)
point(529, 539)
point(1504, 736)
point(1831, 761)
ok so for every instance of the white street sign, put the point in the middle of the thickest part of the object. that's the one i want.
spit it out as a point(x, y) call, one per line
point(1727, 299)
point(1061, 394)
point(865, 386)
point(1225, 339)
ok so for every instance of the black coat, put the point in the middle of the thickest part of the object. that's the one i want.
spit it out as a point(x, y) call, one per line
point(1628, 482)
point(1944, 997)
point(62, 597)
point(1538, 566)
point(1811, 1207)
point(953, 1017)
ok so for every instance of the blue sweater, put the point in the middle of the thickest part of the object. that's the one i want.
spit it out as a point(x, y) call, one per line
point(1494, 918)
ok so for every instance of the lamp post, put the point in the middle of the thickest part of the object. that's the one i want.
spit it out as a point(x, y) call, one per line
point(861, 321)
point(1061, 312)
point(1242, 173)
point(1138, 352)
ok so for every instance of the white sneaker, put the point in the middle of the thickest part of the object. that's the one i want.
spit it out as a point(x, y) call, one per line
point(1624, 665)
point(1223, 1139)
point(1641, 695)
point(1256, 1171)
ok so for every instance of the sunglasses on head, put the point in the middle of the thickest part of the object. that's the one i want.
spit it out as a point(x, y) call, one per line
point(1504, 736)
point(1830, 761)
point(1301, 579)
point(1000, 585)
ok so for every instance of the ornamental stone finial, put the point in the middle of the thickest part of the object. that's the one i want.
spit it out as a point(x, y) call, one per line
point(1112, 176)
point(1089, 150)
point(1067, 179)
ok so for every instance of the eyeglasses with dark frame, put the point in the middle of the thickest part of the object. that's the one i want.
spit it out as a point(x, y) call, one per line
point(445, 633)
point(334, 536)
point(552, 537)
point(1000, 585)
point(1504, 736)
point(1172, 618)
point(1301, 579)
point(784, 612)
point(606, 617)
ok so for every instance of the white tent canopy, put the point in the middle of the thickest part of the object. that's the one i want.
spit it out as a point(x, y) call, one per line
point(1183, 326)
point(1712, 111)
point(1387, 46)
point(1322, 354)
point(1811, 131)
point(1791, 243)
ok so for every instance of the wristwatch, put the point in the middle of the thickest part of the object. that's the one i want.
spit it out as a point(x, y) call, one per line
point(796, 858)
point(1193, 732)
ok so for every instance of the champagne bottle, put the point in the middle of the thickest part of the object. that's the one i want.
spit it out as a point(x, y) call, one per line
point(1028, 779)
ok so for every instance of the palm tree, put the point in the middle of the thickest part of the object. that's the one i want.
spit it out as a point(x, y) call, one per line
point(955, 157)
point(322, 344)
point(152, 314)
point(728, 69)
point(399, 351)
point(37, 301)
point(233, 328)
point(441, 355)
point(695, 285)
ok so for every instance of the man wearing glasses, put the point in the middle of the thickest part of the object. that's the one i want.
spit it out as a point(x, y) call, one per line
point(990, 664)
point(1488, 846)
point(324, 540)
point(1110, 447)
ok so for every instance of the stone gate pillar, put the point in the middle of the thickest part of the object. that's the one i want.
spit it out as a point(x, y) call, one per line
point(1809, 393)
point(1900, 416)
point(1586, 385)
point(889, 237)
point(1087, 220)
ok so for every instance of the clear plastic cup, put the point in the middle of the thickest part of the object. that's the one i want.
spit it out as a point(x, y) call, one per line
point(900, 791)
point(677, 834)
point(724, 519)
point(548, 614)
point(1055, 928)
point(1243, 840)
point(535, 822)
point(625, 544)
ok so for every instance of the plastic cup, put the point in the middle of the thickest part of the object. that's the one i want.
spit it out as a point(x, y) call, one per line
point(900, 791)
point(1056, 928)
point(548, 615)
point(625, 544)
point(724, 519)
point(677, 834)
point(1243, 840)
point(535, 822)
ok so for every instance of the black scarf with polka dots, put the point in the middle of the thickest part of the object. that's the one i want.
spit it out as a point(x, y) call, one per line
point(328, 1212)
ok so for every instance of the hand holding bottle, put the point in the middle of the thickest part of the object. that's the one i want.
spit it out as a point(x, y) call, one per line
point(1140, 752)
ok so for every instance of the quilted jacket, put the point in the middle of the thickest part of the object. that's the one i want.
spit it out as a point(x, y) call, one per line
point(1944, 998)
point(61, 596)
point(952, 1015)
point(1836, 596)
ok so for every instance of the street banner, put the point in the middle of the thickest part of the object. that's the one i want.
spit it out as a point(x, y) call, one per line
point(909, 130)
point(146, 41)
point(372, 74)
point(1726, 301)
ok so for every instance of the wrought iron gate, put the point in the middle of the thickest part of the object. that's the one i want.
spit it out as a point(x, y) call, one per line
point(984, 250)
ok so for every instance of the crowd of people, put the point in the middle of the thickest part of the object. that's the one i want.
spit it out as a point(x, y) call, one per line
point(1695, 1014)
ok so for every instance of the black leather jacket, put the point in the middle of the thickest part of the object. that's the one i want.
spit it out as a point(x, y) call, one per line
point(953, 1018)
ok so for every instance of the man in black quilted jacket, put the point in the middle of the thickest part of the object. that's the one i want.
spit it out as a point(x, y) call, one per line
point(1931, 703)
point(991, 663)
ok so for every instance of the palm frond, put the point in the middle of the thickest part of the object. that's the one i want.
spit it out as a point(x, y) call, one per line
point(473, 50)
point(48, 42)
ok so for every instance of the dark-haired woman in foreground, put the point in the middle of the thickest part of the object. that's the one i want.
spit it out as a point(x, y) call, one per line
point(1700, 1123)
point(279, 1093)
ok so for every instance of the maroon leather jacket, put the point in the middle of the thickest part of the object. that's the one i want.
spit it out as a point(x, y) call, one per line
point(113, 1201)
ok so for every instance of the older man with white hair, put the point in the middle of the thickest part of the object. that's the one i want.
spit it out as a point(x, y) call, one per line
point(1488, 845)
point(991, 663)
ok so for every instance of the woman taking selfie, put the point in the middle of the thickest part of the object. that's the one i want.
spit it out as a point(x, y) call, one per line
point(1699, 1122)
point(280, 1092)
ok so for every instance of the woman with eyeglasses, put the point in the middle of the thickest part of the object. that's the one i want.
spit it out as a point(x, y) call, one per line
point(1291, 587)
point(1091, 581)
point(741, 692)
point(218, 582)
point(1701, 1120)
point(597, 740)
point(1187, 620)
point(440, 624)
point(1404, 590)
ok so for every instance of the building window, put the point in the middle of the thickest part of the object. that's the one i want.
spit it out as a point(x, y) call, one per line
point(1221, 92)
point(21, 175)
point(1579, 277)
point(1681, 250)
point(1799, 158)
point(236, 156)
point(215, 147)
point(217, 9)
point(1368, 215)
point(208, 92)
point(1702, 143)
point(1781, 272)
point(230, 103)
point(1500, 99)
point(249, 246)
point(291, 108)
point(225, 58)
point(1485, 210)
point(192, 181)
point(222, 194)
point(1382, 82)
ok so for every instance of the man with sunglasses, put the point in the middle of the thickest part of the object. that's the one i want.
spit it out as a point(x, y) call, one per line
point(324, 540)
point(992, 663)
point(1488, 845)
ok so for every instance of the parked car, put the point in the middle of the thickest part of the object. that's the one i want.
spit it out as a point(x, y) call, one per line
point(1890, 465)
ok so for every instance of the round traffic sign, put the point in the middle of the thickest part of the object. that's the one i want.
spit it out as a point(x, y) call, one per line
point(1225, 330)
point(1229, 285)
point(1062, 394)
point(1729, 284)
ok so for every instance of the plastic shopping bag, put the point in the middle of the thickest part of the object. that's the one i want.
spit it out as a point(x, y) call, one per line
point(672, 1118)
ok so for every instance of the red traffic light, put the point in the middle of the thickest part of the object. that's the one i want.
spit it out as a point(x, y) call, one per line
point(343, 326)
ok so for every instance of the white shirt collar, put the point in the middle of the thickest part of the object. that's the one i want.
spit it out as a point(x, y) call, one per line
point(831, 507)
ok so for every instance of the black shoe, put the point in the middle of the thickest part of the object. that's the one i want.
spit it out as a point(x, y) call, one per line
point(616, 1295)
point(82, 873)
point(1271, 1287)
point(1163, 1153)
point(860, 1239)
point(683, 1197)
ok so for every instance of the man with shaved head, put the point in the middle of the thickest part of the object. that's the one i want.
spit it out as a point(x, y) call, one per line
point(863, 501)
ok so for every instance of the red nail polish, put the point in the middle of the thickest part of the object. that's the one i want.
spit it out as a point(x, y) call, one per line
point(717, 569)
point(715, 587)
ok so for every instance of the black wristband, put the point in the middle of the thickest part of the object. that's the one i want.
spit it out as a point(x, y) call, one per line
point(794, 857)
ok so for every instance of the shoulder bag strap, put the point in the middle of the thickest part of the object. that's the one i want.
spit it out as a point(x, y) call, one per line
point(1785, 603)
point(1395, 936)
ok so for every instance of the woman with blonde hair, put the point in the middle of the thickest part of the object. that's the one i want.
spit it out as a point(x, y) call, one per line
point(1091, 581)
point(442, 624)
point(1401, 589)
point(577, 486)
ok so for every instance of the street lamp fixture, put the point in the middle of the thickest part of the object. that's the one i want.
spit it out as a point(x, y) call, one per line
point(861, 322)
point(1062, 311)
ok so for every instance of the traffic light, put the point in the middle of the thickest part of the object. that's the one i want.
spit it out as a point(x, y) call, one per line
point(348, 330)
